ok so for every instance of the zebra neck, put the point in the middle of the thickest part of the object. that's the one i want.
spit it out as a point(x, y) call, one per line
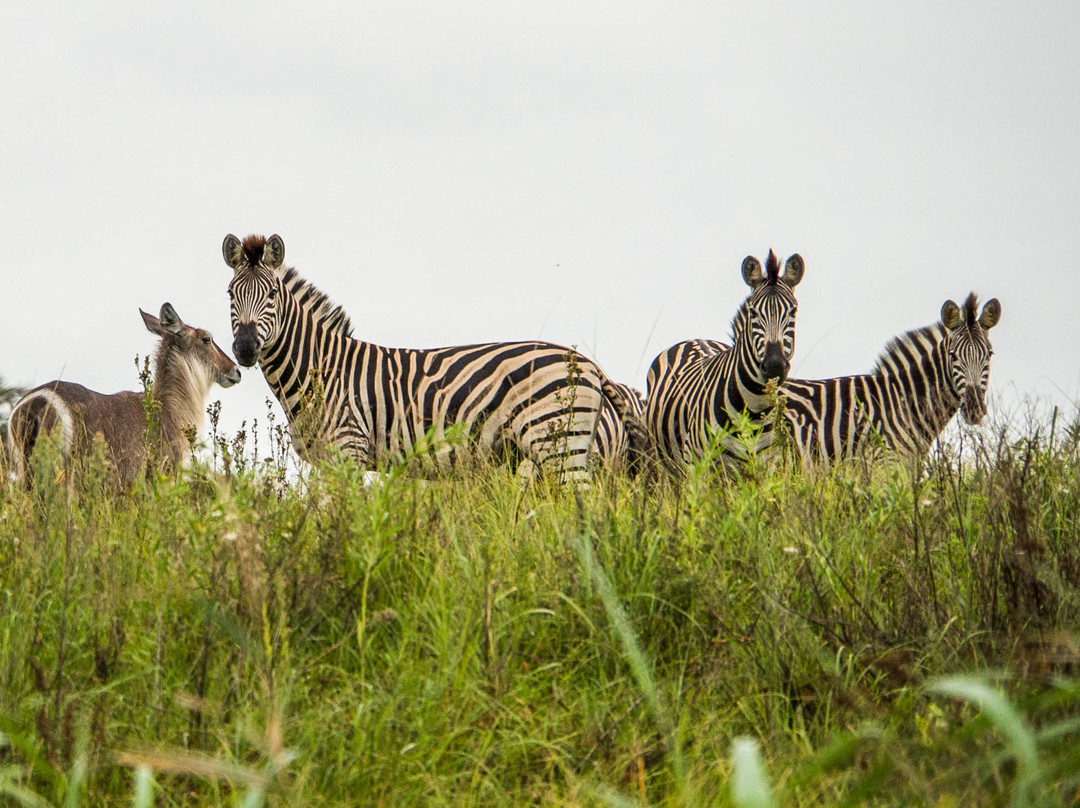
point(747, 390)
point(735, 386)
point(913, 374)
point(298, 368)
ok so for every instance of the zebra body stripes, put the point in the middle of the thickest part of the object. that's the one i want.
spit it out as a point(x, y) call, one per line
point(920, 382)
point(699, 387)
point(540, 404)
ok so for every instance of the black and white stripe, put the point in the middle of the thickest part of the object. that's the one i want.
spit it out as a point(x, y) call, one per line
point(699, 388)
point(920, 382)
point(541, 405)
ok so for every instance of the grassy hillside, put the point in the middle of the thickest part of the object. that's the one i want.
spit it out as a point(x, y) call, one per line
point(886, 636)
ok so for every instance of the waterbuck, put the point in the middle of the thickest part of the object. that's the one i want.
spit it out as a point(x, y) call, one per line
point(186, 364)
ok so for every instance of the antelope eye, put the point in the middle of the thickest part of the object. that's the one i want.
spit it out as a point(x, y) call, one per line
point(206, 340)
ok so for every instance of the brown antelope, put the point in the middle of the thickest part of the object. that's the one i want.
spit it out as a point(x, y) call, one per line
point(186, 364)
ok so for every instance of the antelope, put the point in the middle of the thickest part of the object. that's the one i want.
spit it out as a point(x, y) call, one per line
point(187, 363)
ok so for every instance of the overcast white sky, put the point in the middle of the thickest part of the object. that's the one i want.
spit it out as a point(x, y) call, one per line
point(586, 173)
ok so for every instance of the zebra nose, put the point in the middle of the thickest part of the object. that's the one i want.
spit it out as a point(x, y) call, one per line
point(245, 346)
point(974, 408)
point(775, 366)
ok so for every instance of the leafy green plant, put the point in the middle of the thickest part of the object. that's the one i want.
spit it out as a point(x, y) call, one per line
point(256, 633)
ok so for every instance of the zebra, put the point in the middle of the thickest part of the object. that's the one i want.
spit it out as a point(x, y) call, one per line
point(187, 364)
point(699, 387)
point(919, 383)
point(543, 405)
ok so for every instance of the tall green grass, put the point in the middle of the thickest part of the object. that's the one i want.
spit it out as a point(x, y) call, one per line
point(878, 635)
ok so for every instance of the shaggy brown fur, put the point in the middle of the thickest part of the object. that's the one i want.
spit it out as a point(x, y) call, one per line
point(187, 362)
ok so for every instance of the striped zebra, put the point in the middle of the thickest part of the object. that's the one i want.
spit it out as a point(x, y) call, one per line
point(541, 405)
point(920, 382)
point(699, 387)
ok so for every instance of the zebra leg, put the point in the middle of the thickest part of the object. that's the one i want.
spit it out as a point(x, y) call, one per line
point(356, 449)
point(527, 470)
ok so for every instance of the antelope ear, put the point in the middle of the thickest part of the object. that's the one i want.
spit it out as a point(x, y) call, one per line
point(991, 313)
point(170, 320)
point(950, 314)
point(153, 324)
point(751, 271)
point(274, 252)
point(233, 251)
point(793, 270)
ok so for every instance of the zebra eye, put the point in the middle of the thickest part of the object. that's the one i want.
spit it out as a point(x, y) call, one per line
point(273, 292)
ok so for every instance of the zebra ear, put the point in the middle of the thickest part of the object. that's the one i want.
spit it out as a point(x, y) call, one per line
point(950, 314)
point(751, 271)
point(991, 313)
point(170, 320)
point(232, 250)
point(274, 252)
point(793, 270)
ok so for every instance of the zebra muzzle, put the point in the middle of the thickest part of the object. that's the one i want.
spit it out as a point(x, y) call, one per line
point(973, 408)
point(246, 345)
point(775, 365)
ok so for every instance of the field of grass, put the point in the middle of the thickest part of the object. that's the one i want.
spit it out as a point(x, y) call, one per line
point(880, 635)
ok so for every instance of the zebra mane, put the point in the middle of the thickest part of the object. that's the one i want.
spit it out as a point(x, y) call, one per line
point(739, 320)
point(971, 311)
point(772, 269)
point(253, 249)
point(933, 333)
point(331, 315)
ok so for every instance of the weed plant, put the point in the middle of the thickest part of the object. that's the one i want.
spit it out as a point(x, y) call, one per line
point(249, 634)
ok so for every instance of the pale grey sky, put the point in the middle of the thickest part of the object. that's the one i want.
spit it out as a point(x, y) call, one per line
point(591, 174)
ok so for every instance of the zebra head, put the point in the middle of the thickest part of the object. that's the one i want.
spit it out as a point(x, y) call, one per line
point(765, 322)
point(258, 268)
point(968, 351)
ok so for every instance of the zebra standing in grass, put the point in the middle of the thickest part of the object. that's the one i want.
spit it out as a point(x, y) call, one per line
point(920, 381)
point(543, 405)
point(699, 387)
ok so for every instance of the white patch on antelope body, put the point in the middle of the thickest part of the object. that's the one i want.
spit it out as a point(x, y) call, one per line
point(63, 415)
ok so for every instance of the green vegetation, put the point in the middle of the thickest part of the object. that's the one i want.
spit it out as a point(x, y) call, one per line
point(875, 636)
